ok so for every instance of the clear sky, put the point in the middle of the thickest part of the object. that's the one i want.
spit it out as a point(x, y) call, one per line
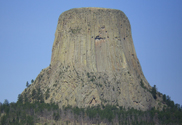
point(27, 35)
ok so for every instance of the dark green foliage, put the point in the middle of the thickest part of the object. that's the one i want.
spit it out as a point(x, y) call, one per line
point(26, 113)
point(88, 75)
point(164, 98)
point(56, 116)
point(25, 98)
point(91, 76)
point(29, 120)
point(20, 99)
point(32, 81)
point(27, 84)
point(77, 110)
point(169, 102)
point(29, 113)
point(154, 92)
point(36, 95)
point(108, 112)
point(40, 97)
point(33, 94)
point(47, 94)
point(6, 102)
point(3, 120)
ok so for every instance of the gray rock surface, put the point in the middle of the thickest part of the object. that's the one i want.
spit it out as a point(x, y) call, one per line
point(94, 62)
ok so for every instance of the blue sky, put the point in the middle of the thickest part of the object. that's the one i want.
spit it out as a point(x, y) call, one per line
point(27, 34)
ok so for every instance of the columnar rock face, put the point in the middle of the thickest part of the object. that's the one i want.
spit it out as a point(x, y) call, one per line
point(96, 40)
point(94, 62)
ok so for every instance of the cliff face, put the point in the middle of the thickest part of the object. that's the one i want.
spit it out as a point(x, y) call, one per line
point(96, 40)
point(94, 62)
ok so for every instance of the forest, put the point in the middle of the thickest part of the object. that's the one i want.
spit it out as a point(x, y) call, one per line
point(41, 113)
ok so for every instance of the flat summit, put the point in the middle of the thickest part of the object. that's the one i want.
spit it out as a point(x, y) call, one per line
point(94, 63)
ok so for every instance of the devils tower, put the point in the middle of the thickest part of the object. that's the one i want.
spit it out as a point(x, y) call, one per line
point(94, 63)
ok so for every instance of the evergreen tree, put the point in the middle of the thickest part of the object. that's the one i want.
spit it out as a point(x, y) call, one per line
point(32, 81)
point(27, 84)
point(34, 94)
point(6, 102)
point(25, 98)
point(20, 99)
point(168, 99)
point(40, 97)
point(154, 92)
point(164, 97)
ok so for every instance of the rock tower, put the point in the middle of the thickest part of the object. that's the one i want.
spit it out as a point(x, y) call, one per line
point(94, 62)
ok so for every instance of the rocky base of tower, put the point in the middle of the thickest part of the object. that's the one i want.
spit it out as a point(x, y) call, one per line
point(67, 86)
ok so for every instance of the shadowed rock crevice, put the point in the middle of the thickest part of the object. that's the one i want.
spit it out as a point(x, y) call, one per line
point(98, 38)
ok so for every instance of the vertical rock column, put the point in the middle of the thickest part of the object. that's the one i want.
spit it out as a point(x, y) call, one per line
point(95, 40)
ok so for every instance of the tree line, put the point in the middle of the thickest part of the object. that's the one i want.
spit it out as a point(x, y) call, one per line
point(47, 113)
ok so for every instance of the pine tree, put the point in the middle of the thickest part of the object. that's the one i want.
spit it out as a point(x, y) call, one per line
point(27, 84)
point(32, 81)
point(154, 92)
